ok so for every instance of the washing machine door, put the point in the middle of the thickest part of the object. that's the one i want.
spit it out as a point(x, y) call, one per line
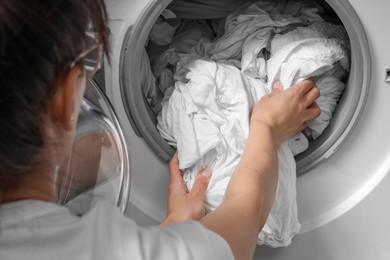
point(98, 166)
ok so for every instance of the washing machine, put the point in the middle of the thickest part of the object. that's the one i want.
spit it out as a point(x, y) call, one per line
point(343, 178)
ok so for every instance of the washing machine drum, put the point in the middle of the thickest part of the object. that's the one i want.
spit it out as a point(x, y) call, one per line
point(97, 166)
point(143, 117)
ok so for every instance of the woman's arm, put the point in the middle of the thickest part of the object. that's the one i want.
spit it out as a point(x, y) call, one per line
point(251, 190)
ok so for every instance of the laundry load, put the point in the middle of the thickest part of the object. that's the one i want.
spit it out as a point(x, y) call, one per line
point(215, 82)
point(206, 9)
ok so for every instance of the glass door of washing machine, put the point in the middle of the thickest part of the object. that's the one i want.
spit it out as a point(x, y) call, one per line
point(97, 167)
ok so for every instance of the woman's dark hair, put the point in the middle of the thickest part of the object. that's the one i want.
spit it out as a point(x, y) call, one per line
point(38, 41)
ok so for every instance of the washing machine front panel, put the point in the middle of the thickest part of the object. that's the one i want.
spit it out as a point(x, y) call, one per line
point(362, 233)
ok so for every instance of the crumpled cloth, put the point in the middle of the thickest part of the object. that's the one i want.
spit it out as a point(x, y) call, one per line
point(208, 120)
point(320, 51)
point(206, 113)
point(259, 21)
point(204, 9)
point(164, 28)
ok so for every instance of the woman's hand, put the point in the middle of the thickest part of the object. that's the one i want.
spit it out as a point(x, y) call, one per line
point(182, 204)
point(285, 112)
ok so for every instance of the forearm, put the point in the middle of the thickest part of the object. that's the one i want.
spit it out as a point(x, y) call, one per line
point(249, 195)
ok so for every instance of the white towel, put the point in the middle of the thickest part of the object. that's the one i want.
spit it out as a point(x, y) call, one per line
point(320, 51)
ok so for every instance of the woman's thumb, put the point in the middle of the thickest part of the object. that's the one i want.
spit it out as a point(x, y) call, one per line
point(202, 181)
point(277, 88)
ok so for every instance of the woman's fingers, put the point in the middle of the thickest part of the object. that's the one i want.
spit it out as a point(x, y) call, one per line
point(311, 96)
point(174, 169)
point(310, 92)
point(312, 111)
point(304, 86)
point(201, 182)
point(276, 88)
point(176, 183)
point(184, 205)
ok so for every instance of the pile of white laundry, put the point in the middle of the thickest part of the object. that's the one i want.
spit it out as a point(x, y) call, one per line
point(211, 81)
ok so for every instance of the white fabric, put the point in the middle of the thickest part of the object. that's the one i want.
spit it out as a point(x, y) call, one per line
point(191, 42)
point(331, 88)
point(208, 120)
point(164, 28)
point(204, 9)
point(312, 52)
point(298, 143)
point(206, 114)
point(39, 230)
point(256, 21)
point(210, 110)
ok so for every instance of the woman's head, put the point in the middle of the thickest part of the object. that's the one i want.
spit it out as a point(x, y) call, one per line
point(39, 40)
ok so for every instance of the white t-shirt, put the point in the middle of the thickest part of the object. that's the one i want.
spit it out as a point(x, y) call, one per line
point(32, 229)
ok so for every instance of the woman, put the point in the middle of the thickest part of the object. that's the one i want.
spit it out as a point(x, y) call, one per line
point(44, 46)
